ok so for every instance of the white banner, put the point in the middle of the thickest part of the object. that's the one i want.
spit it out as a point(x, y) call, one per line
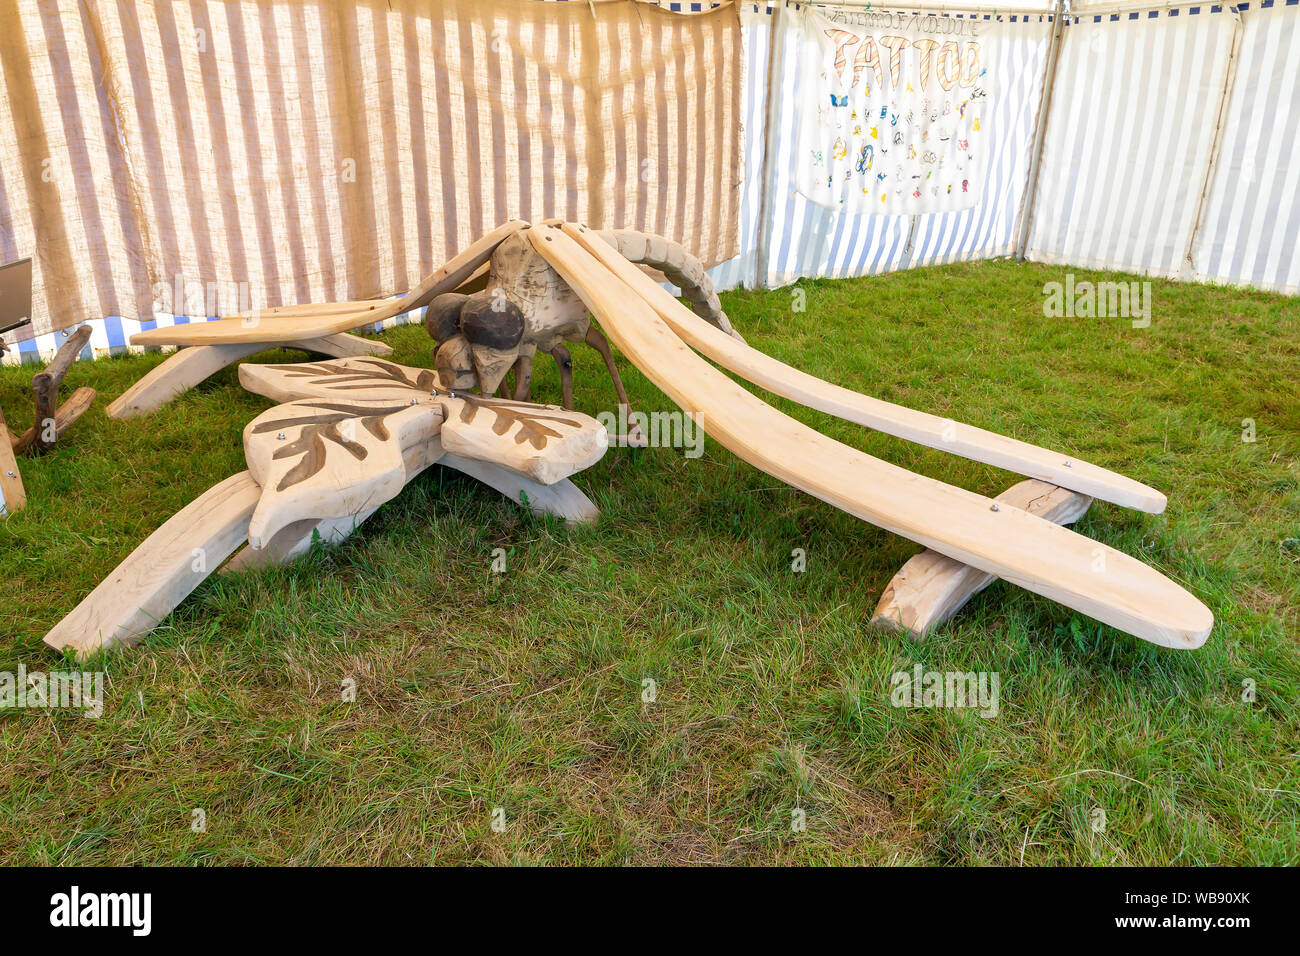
point(897, 126)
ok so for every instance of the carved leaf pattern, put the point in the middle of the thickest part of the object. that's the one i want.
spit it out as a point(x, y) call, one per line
point(335, 445)
point(320, 424)
point(381, 380)
point(359, 374)
point(532, 427)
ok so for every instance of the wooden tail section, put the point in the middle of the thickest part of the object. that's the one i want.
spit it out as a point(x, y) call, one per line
point(943, 434)
point(1027, 551)
point(159, 574)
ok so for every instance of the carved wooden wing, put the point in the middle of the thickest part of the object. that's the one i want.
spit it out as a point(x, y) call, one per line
point(317, 458)
point(335, 448)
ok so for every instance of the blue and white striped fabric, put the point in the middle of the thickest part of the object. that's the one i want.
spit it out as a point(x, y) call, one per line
point(756, 35)
point(1128, 139)
point(316, 151)
point(1250, 229)
point(1131, 139)
point(1127, 150)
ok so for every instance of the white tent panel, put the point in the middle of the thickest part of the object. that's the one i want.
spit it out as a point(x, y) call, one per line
point(1128, 139)
point(990, 228)
point(1250, 230)
point(805, 239)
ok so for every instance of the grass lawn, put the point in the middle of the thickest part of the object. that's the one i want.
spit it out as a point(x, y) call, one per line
point(523, 691)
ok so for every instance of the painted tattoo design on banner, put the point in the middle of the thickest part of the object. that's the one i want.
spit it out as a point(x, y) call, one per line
point(898, 123)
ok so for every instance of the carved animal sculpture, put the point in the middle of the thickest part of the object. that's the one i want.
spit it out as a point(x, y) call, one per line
point(352, 432)
point(526, 308)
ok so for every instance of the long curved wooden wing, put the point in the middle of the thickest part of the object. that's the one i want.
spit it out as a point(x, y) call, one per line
point(941, 433)
point(1014, 545)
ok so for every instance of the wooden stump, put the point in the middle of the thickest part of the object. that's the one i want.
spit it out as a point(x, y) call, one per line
point(53, 419)
point(930, 588)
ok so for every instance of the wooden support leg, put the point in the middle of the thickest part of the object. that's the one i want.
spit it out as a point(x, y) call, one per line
point(562, 499)
point(179, 373)
point(597, 340)
point(930, 588)
point(294, 540)
point(565, 363)
point(523, 378)
point(190, 366)
point(341, 345)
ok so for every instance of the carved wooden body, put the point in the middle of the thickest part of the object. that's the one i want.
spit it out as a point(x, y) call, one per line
point(526, 307)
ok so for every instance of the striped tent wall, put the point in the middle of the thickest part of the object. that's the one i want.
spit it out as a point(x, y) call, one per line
point(808, 240)
point(1133, 176)
point(756, 36)
point(1250, 229)
point(307, 151)
point(1128, 140)
point(804, 239)
point(1125, 162)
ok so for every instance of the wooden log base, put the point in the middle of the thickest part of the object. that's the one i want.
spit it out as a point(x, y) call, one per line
point(931, 588)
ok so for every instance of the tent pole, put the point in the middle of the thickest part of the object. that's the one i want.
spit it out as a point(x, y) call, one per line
point(1040, 129)
point(1229, 79)
point(771, 117)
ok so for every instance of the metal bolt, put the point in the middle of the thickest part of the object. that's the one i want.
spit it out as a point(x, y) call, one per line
point(280, 436)
point(995, 507)
point(1067, 464)
point(9, 474)
point(415, 401)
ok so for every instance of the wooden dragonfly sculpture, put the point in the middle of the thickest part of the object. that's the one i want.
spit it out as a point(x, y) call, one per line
point(349, 435)
point(353, 431)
